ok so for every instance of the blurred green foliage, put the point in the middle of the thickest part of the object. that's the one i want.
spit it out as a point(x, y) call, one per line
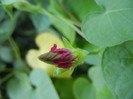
point(92, 25)
point(37, 86)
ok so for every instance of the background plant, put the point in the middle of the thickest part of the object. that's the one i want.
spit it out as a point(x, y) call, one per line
point(103, 28)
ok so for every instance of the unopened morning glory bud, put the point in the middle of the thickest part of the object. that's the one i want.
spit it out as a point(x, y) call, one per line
point(63, 58)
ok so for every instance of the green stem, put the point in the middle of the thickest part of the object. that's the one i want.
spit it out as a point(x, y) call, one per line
point(6, 77)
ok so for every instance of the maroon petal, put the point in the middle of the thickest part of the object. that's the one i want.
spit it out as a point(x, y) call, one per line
point(53, 48)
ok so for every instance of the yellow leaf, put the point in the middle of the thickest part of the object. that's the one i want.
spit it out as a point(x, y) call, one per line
point(44, 41)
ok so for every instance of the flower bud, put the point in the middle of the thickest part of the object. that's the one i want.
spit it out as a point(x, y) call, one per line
point(63, 58)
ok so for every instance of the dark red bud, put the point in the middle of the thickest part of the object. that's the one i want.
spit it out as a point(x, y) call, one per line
point(63, 58)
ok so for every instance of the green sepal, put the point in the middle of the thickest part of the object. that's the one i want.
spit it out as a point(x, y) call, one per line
point(81, 55)
point(59, 71)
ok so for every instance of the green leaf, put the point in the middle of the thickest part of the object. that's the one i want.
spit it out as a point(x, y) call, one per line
point(55, 8)
point(117, 67)
point(42, 3)
point(95, 73)
point(104, 94)
point(2, 13)
point(61, 26)
point(8, 2)
point(82, 8)
point(93, 59)
point(67, 43)
point(21, 5)
point(26, 6)
point(83, 89)
point(100, 2)
point(7, 27)
point(9, 10)
point(95, 52)
point(52, 31)
point(65, 29)
point(7, 5)
point(83, 44)
point(64, 87)
point(40, 22)
point(111, 26)
point(21, 86)
point(6, 54)
point(129, 46)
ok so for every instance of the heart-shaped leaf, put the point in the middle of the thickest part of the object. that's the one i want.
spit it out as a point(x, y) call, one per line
point(112, 26)
point(117, 67)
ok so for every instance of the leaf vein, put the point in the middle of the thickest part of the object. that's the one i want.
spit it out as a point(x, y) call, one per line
point(119, 10)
